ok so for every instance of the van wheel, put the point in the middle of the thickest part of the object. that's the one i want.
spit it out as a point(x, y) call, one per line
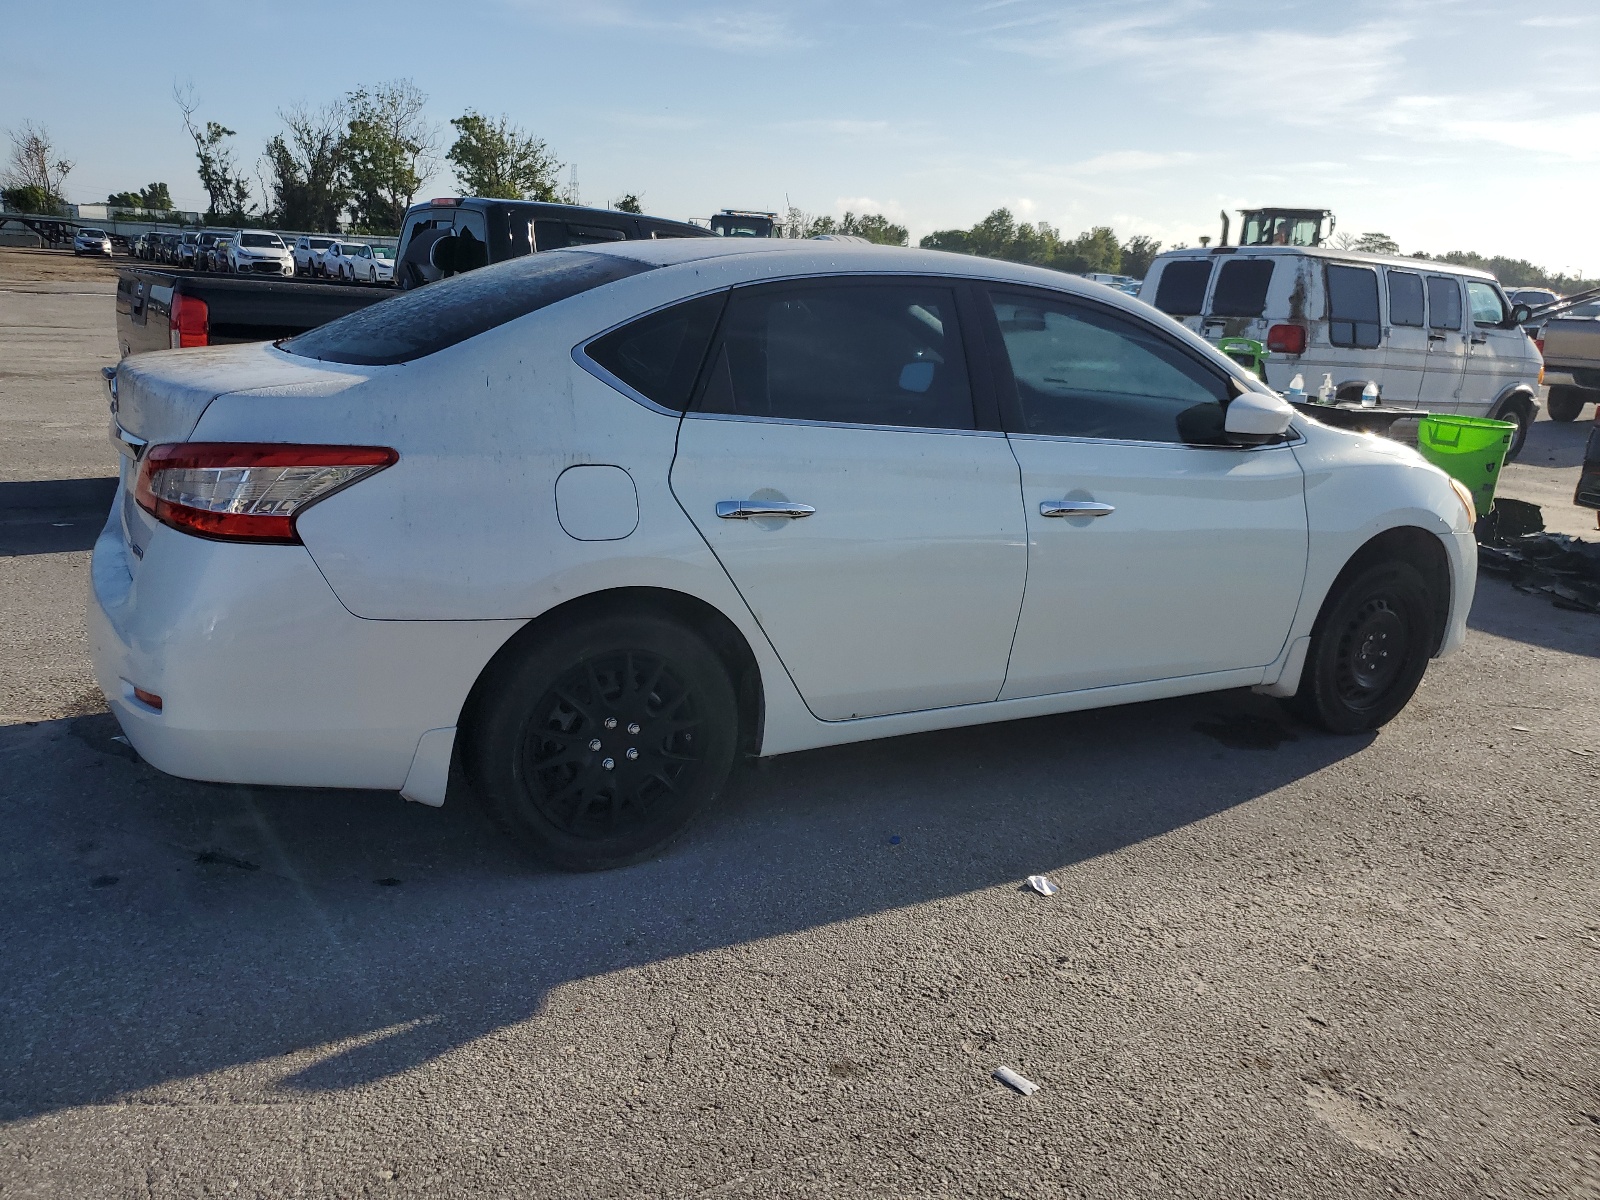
point(1369, 649)
point(598, 746)
point(1566, 402)
point(1520, 415)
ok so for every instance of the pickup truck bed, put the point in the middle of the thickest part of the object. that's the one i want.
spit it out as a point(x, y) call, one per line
point(223, 309)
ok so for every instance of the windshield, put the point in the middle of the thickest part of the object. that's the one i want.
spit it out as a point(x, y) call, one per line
point(385, 252)
point(261, 239)
point(94, 233)
point(358, 251)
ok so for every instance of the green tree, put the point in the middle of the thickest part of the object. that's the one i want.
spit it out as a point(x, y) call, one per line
point(633, 202)
point(1377, 243)
point(498, 159)
point(390, 148)
point(34, 177)
point(874, 227)
point(153, 197)
point(1138, 252)
point(307, 181)
point(224, 182)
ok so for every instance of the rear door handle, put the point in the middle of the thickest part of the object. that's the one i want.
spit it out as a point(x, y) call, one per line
point(1074, 508)
point(743, 510)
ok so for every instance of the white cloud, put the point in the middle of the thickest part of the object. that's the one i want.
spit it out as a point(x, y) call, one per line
point(740, 30)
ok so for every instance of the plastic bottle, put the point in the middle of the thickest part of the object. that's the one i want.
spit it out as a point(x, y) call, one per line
point(1325, 393)
point(1369, 395)
point(1297, 390)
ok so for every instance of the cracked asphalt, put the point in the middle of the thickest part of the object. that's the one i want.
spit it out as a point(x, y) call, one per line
point(1280, 964)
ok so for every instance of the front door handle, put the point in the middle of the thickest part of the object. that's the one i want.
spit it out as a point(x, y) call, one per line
point(743, 510)
point(1074, 508)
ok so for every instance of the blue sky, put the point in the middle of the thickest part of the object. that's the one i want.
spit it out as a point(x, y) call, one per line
point(1445, 123)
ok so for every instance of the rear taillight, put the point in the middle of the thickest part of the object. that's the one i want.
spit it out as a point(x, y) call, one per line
point(191, 321)
point(1539, 345)
point(1287, 339)
point(247, 492)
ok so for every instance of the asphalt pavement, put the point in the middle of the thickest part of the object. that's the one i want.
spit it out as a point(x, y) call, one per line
point(1280, 964)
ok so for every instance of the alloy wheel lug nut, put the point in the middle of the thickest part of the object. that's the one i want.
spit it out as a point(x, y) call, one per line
point(594, 744)
point(608, 763)
point(633, 727)
point(632, 754)
point(611, 722)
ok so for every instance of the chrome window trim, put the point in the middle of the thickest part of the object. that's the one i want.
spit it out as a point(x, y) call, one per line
point(698, 416)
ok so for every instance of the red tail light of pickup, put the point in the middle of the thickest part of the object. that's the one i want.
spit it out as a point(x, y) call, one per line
point(248, 492)
point(190, 321)
point(1287, 339)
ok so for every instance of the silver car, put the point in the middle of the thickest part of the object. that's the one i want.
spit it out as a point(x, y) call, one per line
point(92, 241)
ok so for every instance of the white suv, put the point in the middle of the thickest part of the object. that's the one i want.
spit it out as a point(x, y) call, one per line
point(91, 241)
point(308, 250)
point(258, 252)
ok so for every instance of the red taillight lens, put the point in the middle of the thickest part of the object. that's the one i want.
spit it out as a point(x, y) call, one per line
point(247, 492)
point(1287, 339)
point(191, 321)
point(1539, 343)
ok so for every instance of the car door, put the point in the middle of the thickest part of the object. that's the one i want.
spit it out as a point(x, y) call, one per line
point(835, 462)
point(1496, 357)
point(1406, 360)
point(1447, 346)
point(1156, 549)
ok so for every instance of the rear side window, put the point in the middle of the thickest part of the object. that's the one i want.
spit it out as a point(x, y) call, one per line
point(659, 356)
point(427, 320)
point(1182, 290)
point(1242, 288)
point(1444, 302)
point(554, 235)
point(1405, 299)
point(1353, 307)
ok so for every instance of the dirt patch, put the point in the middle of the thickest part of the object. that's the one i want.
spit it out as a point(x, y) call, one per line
point(21, 265)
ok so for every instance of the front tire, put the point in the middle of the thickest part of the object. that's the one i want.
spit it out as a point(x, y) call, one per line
point(599, 744)
point(1566, 402)
point(1520, 415)
point(1369, 649)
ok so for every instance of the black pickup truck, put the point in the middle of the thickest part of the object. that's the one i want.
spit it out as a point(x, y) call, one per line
point(159, 310)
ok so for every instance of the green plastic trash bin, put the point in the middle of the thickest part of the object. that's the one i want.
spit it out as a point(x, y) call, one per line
point(1248, 353)
point(1471, 449)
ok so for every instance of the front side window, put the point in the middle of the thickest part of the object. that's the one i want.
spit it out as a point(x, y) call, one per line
point(1405, 299)
point(859, 352)
point(1488, 310)
point(1242, 288)
point(1444, 302)
point(660, 355)
point(1081, 371)
point(1353, 307)
point(1182, 290)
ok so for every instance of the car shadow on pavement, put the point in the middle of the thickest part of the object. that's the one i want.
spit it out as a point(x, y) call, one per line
point(1499, 609)
point(52, 516)
point(159, 929)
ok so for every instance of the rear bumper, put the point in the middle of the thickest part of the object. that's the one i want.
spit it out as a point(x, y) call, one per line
point(264, 677)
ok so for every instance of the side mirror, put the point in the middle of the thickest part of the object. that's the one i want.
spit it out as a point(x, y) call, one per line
point(1255, 418)
point(1520, 315)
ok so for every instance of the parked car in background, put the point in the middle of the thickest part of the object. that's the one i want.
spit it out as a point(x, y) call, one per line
point(307, 248)
point(211, 253)
point(259, 252)
point(1571, 344)
point(184, 252)
point(1433, 337)
point(452, 234)
point(91, 241)
point(359, 262)
point(1533, 298)
point(844, 528)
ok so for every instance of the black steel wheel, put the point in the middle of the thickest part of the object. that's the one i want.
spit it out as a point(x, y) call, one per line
point(598, 745)
point(1369, 649)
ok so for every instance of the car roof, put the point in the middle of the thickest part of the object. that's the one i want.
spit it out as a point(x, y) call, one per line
point(1327, 252)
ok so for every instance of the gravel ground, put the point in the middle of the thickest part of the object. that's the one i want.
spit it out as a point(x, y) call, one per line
point(1280, 963)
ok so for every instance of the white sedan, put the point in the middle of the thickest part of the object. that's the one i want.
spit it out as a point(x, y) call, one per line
point(358, 262)
point(258, 252)
point(603, 521)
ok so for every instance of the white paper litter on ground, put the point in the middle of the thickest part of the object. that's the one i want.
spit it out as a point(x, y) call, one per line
point(1014, 1081)
point(1042, 885)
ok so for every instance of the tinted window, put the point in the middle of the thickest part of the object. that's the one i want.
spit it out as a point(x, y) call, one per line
point(1353, 307)
point(1405, 299)
point(554, 235)
point(442, 314)
point(260, 239)
point(1487, 307)
point(1182, 290)
point(1242, 288)
point(659, 356)
point(1083, 372)
point(860, 353)
point(1444, 302)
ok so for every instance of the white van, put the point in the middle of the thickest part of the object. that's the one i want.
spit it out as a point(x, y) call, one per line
point(1433, 337)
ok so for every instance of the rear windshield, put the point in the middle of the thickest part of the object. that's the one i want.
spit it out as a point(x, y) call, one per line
point(1182, 289)
point(441, 314)
point(1242, 288)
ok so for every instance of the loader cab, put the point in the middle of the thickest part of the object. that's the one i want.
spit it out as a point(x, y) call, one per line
point(731, 222)
point(1282, 226)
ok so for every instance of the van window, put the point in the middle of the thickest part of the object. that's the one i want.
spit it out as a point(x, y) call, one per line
point(556, 235)
point(1444, 302)
point(1242, 288)
point(1182, 290)
point(1405, 299)
point(1488, 310)
point(1353, 307)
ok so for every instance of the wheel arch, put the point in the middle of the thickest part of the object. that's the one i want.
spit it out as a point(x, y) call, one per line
point(1516, 393)
point(1408, 544)
point(704, 619)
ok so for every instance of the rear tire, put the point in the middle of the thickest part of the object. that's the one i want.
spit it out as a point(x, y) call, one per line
point(1566, 402)
point(599, 744)
point(1369, 649)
